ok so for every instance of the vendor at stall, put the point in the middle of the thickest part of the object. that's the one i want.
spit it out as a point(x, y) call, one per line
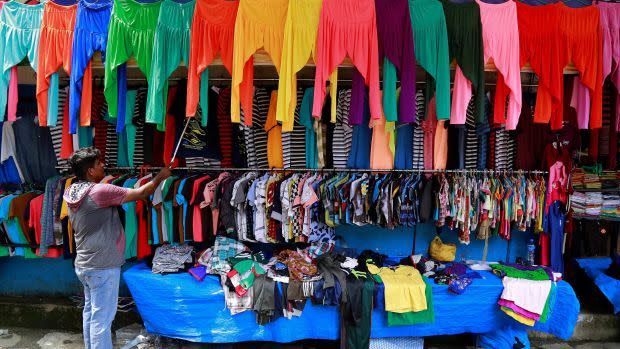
point(99, 239)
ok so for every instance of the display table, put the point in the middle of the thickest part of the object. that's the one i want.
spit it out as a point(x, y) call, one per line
point(178, 306)
point(595, 269)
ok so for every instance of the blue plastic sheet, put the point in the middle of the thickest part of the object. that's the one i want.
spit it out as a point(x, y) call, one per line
point(504, 338)
point(178, 306)
point(595, 269)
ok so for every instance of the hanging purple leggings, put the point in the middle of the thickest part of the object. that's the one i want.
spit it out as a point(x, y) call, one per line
point(395, 38)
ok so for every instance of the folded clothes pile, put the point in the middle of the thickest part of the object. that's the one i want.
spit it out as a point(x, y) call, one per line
point(529, 292)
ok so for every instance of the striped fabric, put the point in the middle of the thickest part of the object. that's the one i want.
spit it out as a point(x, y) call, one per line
point(138, 119)
point(609, 106)
point(320, 142)
point(505, 146)
point(240, 156)
point(343, 132)
point(111, 152)
point(294, 142)
point(260, 107)
point(225, 127)
point(98, 108)
point(471, 139)
point(483, 130)
point(608, 95)
point(56, 132)
point(248, 141)
point(418, 132)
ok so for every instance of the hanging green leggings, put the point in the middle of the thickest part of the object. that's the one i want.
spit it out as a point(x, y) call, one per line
point(20, 29)
point(172, 39)
point(132, 31)
point(430, 38)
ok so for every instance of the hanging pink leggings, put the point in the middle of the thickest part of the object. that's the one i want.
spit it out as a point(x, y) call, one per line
point(500, 34)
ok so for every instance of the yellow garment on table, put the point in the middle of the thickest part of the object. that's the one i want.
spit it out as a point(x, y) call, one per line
point(300, 30)
point(519, 318)
point(405, 290)
point(64, 212)
point(259, 23)
point(274, 135)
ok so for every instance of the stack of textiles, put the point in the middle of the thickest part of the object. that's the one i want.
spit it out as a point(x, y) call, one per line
point(529, 292)
point(578, 203)
point(592, 181)
point(605, 180)
point(611, 206)
point(610, 180)
point(594, 203)
point(172, 258)
point(408, 295)
point(577, 178)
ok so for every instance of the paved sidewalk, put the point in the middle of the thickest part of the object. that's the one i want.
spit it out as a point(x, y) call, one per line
point(25, 338)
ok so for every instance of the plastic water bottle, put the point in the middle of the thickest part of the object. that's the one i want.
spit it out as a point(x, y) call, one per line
point(531, 252)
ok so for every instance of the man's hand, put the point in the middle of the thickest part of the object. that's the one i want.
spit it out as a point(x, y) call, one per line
point(147, 189)
point(163, 174)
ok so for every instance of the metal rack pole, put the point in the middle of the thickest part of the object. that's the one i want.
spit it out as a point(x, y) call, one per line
point(329, 170)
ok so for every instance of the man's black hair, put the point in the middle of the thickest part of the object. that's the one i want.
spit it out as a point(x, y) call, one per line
point(82, 160)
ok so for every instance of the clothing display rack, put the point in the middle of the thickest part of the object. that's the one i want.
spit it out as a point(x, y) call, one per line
point(330, 170)
point(336, 170)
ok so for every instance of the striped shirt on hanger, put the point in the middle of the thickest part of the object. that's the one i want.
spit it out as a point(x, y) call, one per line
point(294, 142)
point(418, 132)
point(471, 139)
point(139, 113)
point(260, 107)
point(56, 131)
point(343, 132)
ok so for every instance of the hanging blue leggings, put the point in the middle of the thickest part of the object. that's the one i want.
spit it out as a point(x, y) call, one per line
point(403, 159)
point(557, 218)
point(91, 35)
point(359, 156)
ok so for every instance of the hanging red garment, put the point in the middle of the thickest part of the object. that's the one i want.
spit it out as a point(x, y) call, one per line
point(66, 145)
point(169, 138)
point(144, 249)
point(540, 46)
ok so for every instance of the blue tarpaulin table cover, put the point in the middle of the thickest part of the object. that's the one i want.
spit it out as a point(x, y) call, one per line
point(595, 269)
point(178, 306)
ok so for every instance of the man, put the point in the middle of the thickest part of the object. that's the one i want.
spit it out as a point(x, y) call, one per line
point(99, 240)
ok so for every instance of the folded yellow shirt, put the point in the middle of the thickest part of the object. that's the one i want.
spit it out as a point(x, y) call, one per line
point(519, 318)
point(404, 288)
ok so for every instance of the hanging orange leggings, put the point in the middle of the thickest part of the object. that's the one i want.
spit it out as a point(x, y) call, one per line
point(348, 27)
point(552, 36)
point(540, 45)
point(582, 36)
point(213, 29)
point(260, 23)
point(55, 48)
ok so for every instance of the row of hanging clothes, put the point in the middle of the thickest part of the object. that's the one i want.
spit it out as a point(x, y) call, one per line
point(304, 206)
